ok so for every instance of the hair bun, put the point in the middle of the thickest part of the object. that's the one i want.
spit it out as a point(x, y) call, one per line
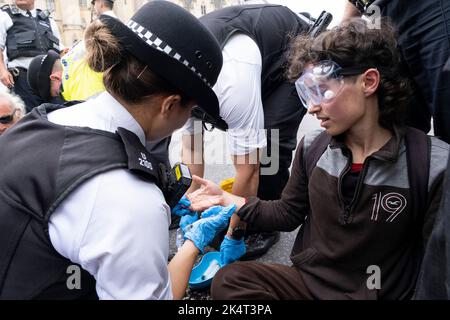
point(103, 48)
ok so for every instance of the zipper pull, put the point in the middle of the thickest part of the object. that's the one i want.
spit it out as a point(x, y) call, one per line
point(345, 218)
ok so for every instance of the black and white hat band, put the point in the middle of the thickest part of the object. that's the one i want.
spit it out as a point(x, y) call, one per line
point(159, 44)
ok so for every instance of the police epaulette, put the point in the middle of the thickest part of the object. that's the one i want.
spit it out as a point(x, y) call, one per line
point(10, 7)
point(43, 14)
point(5, 7)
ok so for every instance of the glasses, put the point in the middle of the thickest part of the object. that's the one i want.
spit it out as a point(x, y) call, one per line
point(323, 82)
point(8, 118)
point(209, 123)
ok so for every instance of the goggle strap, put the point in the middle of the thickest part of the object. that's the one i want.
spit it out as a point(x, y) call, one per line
point(353, 71)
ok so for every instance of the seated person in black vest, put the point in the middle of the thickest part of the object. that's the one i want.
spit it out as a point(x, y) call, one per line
point(45, 77)
point(83, 211)
point(365, 190)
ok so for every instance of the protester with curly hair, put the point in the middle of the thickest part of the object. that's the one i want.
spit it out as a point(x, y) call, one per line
point(362, 228)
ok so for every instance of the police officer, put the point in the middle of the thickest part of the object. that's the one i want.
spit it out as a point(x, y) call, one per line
point(103, 7)
point(79, 82)
point(25, 32)
point(86, 195)
point(254, 95)
point(45, 77)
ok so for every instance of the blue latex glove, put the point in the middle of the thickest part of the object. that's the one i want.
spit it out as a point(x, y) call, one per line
point(182, 207)
point(187, 220)
point(212, 211)
point(203, 231)
point(231, 250)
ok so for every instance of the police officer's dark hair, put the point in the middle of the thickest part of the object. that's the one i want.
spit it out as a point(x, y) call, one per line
point(124, 75)
point(108, 4)
point(353, 44)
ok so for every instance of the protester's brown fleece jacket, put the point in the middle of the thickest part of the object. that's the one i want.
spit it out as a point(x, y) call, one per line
point(336, 257)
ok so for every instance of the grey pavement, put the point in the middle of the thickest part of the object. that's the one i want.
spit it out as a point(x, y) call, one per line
point(219, 167)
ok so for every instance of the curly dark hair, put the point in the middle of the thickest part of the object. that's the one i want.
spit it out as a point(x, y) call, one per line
point(355, 44)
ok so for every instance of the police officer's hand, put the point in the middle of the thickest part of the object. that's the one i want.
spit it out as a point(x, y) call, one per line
point(231, 250)
point(187, 220)
point(203, 231)
point(7, 79)
point(212, 211)
point(182, 207)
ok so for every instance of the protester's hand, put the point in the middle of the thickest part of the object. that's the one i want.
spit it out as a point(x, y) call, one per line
point(203, 231)
point(209, 194)
point(182, 207)
point(231, 250)
point(7, 79)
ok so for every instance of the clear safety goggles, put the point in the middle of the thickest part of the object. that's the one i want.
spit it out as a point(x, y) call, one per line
point(323, 82)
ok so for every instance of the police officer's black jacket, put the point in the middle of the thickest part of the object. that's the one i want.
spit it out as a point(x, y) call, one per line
point(270, 26)
point(41, 163)
point(29, 36)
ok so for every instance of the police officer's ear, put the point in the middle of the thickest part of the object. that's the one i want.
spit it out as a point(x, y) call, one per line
point(56, 71)
point(170, 104)
point(56, 76)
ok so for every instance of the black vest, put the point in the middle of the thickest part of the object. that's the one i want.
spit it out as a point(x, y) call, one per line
point(29, 36)
point(270, 26)
point(41, 163)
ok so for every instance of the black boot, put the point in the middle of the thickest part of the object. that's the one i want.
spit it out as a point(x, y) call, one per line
point(258, 244)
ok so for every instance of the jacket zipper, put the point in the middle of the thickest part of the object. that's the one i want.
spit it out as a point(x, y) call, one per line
point(346, 217)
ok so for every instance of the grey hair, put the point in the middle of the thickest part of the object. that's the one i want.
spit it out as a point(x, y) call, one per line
point(14, 101)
